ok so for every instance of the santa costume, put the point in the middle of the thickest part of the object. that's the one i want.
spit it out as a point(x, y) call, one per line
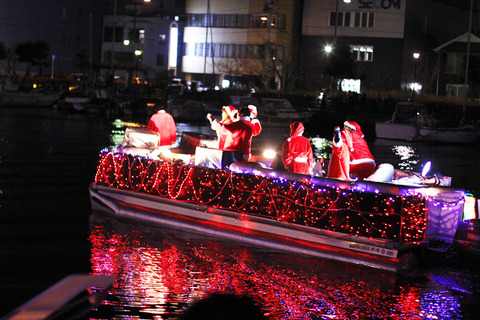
point(297, 154)
point(257, 127)
point(163, 124)
point(229, 115)
point(339, 165)
point(362, 164)
point(239, 140)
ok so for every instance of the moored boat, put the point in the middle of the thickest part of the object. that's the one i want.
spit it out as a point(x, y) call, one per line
point(411, 121)
point(279, 112)
point(383, 222)
point(41, 97)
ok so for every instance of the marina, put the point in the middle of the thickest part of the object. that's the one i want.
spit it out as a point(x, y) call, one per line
point(163, 269)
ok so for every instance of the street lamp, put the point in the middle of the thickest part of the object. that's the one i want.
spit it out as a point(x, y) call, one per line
point(416, 56)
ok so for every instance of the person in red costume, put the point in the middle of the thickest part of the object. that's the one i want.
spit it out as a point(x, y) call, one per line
point(339, 165)
point(362, 164)
point(237, 147)
point(163, 125)
point(257, 127)
point(229, 115)
point(297, 154)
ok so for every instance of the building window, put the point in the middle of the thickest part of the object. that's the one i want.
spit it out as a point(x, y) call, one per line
point(276, 21)
point(108, 35)
point(160, 60)
point(362, 53)
point(361, 20)
point(230, 50)
point(141, 35)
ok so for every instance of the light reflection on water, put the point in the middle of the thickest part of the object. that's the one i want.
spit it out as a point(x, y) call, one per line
point(159, 272)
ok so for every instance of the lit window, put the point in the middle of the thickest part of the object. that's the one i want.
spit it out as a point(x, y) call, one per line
point(362, 53)
point(162, 38)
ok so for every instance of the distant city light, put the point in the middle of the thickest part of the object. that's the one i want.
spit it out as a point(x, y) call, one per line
point(352, 85)
point(173, 46)
point(328, 48)
point(415, 86)
point(225, 83)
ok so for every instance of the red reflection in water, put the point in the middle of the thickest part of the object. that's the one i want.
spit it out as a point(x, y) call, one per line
point(159, 272)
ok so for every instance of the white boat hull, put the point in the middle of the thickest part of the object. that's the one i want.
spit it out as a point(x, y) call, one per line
point(396, 131)
point(24, 99)
point(449, 135)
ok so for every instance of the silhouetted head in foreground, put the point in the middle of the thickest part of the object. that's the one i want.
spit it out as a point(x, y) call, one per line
point(224, 307)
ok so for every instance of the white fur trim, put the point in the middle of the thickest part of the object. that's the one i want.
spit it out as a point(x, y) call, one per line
point(348, 124)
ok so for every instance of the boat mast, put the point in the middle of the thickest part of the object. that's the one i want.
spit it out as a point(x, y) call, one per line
point(209, 22)
point(467, 62)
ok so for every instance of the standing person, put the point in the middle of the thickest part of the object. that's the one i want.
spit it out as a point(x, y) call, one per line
point(339, 165)
point(163, 124)
point(362, 164)
point(257, 127)
point(238, 148)
point(229, 115)
point(297, 154)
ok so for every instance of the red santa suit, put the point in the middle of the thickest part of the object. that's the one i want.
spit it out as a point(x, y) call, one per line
point(339, 165)
point(362, 164)
point(163, 124)
point(239, 140)
point(230, 114)
point(257, 127)
point(297, 154)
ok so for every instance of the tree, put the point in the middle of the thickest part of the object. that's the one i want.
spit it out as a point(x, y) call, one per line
point(83, 60)
point(34, 54)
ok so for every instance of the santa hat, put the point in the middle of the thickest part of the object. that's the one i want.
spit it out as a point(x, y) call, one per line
point(230, 110)
point(296, 129)
point(253, 110)
point(354, 126)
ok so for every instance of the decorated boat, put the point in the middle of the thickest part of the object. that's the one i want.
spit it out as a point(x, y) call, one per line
point(384, 222)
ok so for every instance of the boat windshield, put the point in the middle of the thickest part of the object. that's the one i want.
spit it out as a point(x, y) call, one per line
point(410, 113)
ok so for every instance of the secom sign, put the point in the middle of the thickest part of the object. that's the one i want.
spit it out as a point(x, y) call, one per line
point(379, 4)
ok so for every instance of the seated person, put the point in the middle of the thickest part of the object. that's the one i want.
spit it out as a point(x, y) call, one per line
point(163, 124)
point(362, 164)
point(297, 154)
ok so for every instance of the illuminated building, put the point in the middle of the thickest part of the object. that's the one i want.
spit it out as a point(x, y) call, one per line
point(241, 41)
point(141, 45)
point(382, 37)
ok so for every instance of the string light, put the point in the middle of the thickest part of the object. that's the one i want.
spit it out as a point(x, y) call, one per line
point(351, 210)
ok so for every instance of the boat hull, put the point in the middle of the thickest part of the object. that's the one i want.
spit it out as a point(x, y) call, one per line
point(22, 99)
point(247, 229)
point(449, 135)
point(396, 131)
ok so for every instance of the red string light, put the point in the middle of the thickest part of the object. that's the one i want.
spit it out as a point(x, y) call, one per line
point(368, 214)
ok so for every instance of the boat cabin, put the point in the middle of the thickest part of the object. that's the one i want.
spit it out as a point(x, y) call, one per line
point(410, 113)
